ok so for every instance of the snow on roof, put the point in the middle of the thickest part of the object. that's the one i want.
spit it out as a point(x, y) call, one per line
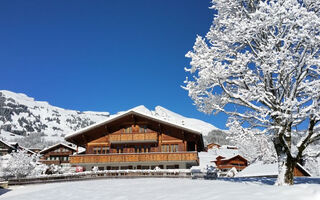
point(26, 149)
point(304, 169)
point(7, 143)
point(81, 150)
point(224, 152)
point(259, 169)
point(139, 110)
point(55, 145)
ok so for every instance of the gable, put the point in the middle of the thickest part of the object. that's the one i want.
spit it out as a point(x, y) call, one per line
point(100, 132)
point(58, 148)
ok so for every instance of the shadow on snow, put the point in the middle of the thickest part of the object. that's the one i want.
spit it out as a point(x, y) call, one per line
point(271, 181)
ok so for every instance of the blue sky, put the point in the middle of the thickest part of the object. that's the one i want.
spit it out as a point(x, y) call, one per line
point(102, 55)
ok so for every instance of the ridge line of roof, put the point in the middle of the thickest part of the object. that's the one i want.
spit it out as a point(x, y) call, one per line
point(126, 113)
point(56, 145)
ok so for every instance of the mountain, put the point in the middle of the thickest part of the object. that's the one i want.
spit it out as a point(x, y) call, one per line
point(21, 115)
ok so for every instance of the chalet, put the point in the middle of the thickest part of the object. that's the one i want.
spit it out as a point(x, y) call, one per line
point(57, 154)
point(213, 145)
point(6, 148)
point(225, 163)
point(269, 170)
point(137, 140)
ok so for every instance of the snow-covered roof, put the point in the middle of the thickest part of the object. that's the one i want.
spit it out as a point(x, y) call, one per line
point(26, 149)
point(260, 169)
point(224, 152)
point(140, 111)
point(304, 169)
point(53, 146)
point(7, 143)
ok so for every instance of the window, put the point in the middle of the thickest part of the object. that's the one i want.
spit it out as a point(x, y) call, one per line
point(174, 148)
point(128, 130)
point(96, 150)
point(139, 149)
point(165, 148)
point(143, 129)
point(105, 150)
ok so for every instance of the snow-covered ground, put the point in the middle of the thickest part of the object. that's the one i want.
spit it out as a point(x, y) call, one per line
point(152, 188)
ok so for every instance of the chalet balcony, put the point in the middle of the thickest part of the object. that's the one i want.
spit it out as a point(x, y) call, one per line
point(238, 167)
point(133, 138)
point(52, 153)
point(135, 157)
point(50, 162)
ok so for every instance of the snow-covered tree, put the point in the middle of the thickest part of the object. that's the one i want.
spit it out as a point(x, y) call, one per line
point(260, 62)
point(216, 136)
point(252, 143)
point(311, 159)
point(21, 164)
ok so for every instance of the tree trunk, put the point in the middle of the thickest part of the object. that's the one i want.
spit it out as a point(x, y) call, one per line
point(286, 165)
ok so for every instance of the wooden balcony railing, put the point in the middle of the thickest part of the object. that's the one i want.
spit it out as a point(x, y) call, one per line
point(135, 157)
point(50, 162)
point(133, 137)
point(52, 153)
point(238, 167)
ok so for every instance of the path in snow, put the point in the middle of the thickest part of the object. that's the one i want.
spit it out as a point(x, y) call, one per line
point(151, 188)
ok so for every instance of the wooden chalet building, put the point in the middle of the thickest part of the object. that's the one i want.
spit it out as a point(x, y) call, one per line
point(6, 148)
point(57, 154)
point(213, 145)
point(225, 164)
point(136, 140)
point(269, 170)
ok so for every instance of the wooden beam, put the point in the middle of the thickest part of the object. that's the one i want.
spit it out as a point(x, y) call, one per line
point(84, 138)
point(134, 120)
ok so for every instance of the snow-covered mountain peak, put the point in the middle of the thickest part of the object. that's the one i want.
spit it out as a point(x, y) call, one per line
point(142, 109)
point(168, 115)
point(21, 115)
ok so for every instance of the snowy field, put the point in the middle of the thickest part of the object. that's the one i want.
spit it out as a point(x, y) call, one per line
point(161, 188)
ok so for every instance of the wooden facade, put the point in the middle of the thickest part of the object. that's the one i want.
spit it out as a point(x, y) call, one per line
point(134, 140)
point(57, 154)
point(237, 162)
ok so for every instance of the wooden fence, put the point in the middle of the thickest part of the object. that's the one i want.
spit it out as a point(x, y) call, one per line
point(102, 174)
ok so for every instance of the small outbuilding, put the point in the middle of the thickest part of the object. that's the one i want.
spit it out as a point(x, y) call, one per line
point(213, 145)
point(57, 154)
point(269, 170)
point(227, 163)
point(6, 148)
